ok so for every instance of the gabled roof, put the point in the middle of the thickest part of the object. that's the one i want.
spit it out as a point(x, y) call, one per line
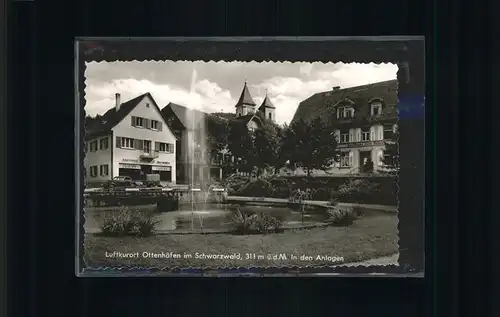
point(245, 97)
point(322, 104)
point(247, 118)
point(266, 104)
point(189, 118)
point(102, 125)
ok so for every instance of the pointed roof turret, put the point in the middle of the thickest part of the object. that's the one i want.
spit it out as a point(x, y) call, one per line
point(245, 97)
point(266, 103)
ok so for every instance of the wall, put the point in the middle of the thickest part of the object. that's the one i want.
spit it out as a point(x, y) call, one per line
point(100, 157)
point(125, 129)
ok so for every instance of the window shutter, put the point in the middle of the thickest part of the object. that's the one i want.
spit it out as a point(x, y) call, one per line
point(351, 154)
point(351, 135)
point(160, 126)
point(147, 123)
point(118, 142)
point(140, 144)
point(157, 146)
point(133, 121)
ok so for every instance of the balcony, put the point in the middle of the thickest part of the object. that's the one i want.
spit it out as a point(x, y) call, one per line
point(149, 154)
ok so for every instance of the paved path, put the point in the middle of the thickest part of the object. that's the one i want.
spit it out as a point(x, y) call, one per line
point(386, 260)
point(309, 202)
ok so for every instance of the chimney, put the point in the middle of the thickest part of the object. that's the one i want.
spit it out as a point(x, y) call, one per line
point(336, 88)
point(117, 101)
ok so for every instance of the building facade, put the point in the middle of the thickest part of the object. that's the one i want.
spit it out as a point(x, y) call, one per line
point(132, 139)
point(363, 119)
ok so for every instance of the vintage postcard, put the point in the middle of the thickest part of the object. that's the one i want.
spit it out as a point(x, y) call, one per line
point(208, 165)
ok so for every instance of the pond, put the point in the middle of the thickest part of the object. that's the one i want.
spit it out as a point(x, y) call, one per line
point(217, 217)
point(211, 217)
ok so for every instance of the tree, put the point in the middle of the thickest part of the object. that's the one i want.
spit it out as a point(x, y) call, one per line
point(266, 143)
point(216, 135)
point(310, 145)
point(368, 166)
point(241, 145)
point(391, 152)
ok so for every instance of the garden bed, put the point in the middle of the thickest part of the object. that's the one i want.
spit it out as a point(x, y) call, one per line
point(367, 238)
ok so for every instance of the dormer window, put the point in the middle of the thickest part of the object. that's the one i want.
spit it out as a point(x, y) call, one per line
point(345, 112)
point(376, 108)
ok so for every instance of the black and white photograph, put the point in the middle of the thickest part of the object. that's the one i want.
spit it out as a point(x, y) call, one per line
point(240, 164)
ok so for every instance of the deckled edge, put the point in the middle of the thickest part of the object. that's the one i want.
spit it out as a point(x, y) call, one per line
point(290, 269)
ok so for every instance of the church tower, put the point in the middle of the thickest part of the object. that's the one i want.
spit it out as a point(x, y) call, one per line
point(245, 105)
point(267, 109)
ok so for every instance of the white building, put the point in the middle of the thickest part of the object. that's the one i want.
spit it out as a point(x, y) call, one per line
point(131, 139)
point(363, 119)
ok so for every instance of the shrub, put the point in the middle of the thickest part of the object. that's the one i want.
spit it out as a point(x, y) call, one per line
point(249, 223)
point(357, 190)
point(262, 223)
point(240, 220)
point(256, 188)
point(234, 183)
point(124, 222)
point(341, 217)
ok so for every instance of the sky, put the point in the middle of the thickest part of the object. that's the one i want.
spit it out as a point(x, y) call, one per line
point(216, 86)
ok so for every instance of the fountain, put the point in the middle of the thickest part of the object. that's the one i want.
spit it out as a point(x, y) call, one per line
point(195, 158)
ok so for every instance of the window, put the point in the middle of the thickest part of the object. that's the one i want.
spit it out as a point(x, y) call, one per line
point(170, 148)
point(103, 170)
point(365, 134)
point(345, 159)
point(138, 122)
point(388, 160)
point(103, 144)
point(376, 109)
point(127, 143)
point(146, 146)
point(270, 116)
point(165, 147)
point(388, 131)
point(93, 171)
point(93, 146)
point(344, 136)
point(155, 125)
point(162, 147)
point(345, 113)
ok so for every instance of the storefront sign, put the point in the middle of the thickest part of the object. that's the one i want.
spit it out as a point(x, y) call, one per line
point(360, 144)
point(163, 162)
point(130, 166)
point(161, 168)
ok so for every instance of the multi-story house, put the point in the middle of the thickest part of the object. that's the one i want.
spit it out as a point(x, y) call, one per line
point(363, 119)
point(131, 139)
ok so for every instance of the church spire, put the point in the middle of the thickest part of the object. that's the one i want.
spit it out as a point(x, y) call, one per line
point(245, 97)
point(266, 103)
